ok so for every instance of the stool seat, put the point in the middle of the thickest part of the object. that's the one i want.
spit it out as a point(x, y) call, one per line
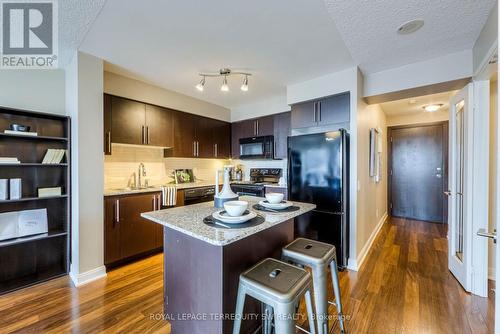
point(310, 252)
point(279, 286)
point(274, 278)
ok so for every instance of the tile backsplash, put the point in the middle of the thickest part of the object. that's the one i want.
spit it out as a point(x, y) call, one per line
point(121, 167)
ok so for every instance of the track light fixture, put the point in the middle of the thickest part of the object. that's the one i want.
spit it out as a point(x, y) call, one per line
point(223, 72)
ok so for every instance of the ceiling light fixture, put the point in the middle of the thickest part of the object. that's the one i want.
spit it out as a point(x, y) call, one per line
point(224, 72)
point(224, 87)
point(433, 107)
point(201, 85)
point(410, 27)
point(244, 87)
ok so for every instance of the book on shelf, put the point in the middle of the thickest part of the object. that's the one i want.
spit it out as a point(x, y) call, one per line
point(53, 156)
point(21, 133)
point(9, 160)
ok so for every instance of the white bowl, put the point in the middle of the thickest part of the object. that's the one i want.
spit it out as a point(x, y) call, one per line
point(274, 198)
point(235, 208)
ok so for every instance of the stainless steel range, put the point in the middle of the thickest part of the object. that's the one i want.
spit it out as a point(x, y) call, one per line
point(259, 177)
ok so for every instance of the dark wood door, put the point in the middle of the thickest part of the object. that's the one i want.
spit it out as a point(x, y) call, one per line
point(205, 137)
point(111, 231)
point(303, 115)
point(129, 119)
point(137, 235)
point(281, 132)
point(334, 109)
point(107, 123)
point(160, 126)
point(265, 126)
point(184, 135)
point(418, 172)
point(222, 138)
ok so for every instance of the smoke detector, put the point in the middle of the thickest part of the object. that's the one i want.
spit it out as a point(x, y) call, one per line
point(410, 27)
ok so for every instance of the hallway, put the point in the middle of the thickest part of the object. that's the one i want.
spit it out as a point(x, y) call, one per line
point(403, 287)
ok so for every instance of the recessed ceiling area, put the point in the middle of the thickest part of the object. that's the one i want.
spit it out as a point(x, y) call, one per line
point(168, 43)
point(416, 104)
point(369, 29)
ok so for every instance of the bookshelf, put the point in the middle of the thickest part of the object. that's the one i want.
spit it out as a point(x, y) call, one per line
point(33, 259)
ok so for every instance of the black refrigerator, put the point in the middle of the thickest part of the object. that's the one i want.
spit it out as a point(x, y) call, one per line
point(318, 173)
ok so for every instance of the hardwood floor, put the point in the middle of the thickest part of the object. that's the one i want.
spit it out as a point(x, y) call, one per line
point(403, 287)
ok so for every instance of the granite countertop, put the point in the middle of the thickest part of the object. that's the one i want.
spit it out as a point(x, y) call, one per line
point(126, 191)
point(189, 220)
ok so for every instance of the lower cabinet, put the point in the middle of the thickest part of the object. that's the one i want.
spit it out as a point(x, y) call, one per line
point(127, 235)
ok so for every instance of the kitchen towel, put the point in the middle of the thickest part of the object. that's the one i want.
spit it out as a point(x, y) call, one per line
point(169, 196)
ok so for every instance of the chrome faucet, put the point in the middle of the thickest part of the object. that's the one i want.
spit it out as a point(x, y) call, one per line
point(141, 173)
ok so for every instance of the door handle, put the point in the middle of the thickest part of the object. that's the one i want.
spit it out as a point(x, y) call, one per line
point(483, 233)
point(447, 193)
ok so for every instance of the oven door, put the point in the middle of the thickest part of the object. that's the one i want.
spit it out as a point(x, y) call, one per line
point(257, 148)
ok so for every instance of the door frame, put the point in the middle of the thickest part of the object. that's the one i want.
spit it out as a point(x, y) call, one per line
point(445, 126)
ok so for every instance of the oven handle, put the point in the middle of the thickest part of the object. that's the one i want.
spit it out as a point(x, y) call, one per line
point(242, 193)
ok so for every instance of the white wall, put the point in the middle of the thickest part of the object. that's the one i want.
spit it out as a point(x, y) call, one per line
point(84, 87)
point(442, 69)
point(137, 90)
point(418, 118)
point(486, 43)
point(36, 90)
point(274, 105)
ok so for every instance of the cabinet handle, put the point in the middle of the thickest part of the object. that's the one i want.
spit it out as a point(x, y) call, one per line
point(154, 203)
point(319, 111)
point(314, 112)
point(117, 210)
point(108, 140)
point(197, 148)
point(194, 148)
point(147, 135)
point(159, 202)
point(258, 125)
point(143, 141)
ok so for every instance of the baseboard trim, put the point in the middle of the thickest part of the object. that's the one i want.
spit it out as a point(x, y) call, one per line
point(369, 243)
point(88, 276)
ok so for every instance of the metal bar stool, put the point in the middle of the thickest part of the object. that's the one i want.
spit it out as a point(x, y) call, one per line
point(279, 286)
point(318, 256)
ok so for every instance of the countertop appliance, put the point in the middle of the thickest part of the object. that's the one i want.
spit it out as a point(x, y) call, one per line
point(257, 147)
point(259, 177)
point(199, 195)
point(318, 173)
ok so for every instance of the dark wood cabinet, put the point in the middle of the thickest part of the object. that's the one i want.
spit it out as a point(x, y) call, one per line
point(205, 141)
point(159, 126)
point(184, 135)
point(128, 121)
point(282, 129)
point(277, 125)
point(331, 110)
point(222, 139)
point(107, 124)
point(127, 234)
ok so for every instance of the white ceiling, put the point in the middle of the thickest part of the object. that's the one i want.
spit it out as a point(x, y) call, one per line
point(415, 104)
point(168, 42)
point(75, 19)
point(369, 29)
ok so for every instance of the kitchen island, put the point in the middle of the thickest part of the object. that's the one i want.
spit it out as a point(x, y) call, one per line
point(202, 263)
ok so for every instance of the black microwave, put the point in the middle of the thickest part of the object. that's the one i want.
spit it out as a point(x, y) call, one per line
point(257, 147)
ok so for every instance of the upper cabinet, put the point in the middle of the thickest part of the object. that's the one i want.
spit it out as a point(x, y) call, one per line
point(131, 122)
point(200, 137)
point(331, 110)
point(274, 125)
point(159, 126)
